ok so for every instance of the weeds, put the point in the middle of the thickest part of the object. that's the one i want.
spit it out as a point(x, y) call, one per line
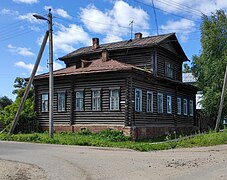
point(113, 138)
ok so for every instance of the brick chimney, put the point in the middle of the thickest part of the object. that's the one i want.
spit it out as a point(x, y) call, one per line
point(105, 55)
point(138, 35)
point(95, 43)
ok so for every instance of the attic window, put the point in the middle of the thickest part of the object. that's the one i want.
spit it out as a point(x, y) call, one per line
point(169, 70)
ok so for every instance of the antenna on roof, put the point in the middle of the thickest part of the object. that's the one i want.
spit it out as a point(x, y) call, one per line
point(155, 16)
point(131, 27)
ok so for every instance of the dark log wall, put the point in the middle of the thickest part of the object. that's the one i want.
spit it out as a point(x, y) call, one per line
point(155, 119)
point(105, 116)
point(86, 83)
point(162, 58)
point(59, 117)
point(140, 58)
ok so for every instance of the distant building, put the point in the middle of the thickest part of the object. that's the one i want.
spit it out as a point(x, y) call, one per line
point(191, 79)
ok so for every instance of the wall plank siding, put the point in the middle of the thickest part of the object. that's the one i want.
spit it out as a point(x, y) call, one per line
point(149, 119)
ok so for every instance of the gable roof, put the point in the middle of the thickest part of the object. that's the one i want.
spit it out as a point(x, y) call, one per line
point(135, 43)
point(96, 66)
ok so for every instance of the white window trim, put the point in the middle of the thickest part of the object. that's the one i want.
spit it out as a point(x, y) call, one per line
point(152, 102)
point(42, 109)
point(80, 91)
point(179, 106)
point(94, 108)
point(64, 108)
point(185, 112)
point(140, 100)
point(117, 100)
point(161, 94)
point(169, 111)
point(191, 109)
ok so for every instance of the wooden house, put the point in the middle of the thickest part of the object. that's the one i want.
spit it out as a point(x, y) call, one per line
point(134, 86)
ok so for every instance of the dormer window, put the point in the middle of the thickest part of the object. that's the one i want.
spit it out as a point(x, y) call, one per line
point(169, 70)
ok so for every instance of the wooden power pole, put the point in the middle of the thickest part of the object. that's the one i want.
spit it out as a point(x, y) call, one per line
point(221, 102)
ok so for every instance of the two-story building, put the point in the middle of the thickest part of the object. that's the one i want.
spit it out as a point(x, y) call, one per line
point(134, 86)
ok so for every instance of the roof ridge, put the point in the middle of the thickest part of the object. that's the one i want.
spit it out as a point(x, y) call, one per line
point(131, 43)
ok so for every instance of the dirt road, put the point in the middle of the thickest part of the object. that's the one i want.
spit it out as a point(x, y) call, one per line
point(24, 161)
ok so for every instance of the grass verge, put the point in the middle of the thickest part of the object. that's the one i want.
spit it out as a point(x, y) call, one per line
point(111, 138)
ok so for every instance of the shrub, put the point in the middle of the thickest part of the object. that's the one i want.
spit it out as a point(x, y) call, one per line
point(113, 135)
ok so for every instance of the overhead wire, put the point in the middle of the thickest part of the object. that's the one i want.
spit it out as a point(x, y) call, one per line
point(181, 7)
point(173, 14)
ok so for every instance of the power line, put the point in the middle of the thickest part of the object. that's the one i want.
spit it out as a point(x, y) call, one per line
point(181, 7)
point(17, 34)
point(145, 4)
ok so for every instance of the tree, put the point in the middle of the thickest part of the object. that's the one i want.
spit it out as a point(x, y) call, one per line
point(28, 114)
point(187, 68)
point(4, 101)
point(209, 66)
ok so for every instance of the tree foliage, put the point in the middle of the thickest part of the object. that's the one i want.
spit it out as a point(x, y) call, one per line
point(187, 68)
point(4, 101)
point(210, 65)
point(27, 115)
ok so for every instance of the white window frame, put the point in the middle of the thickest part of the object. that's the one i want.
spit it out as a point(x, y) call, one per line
point(96, 100)
point(138, 100)
point(79, 100)
point(169, 104)
point(185, 107)
point(114, 100)
point(61, 101)
point(179, 106)
point(150, 102)
point(191, 109)
point(45, 102)
point(160, 104)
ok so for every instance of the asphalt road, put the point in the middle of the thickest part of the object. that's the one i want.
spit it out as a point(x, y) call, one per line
point(41, 161)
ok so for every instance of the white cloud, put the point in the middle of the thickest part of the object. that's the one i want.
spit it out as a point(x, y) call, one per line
point(26, 1)
point(182, 27)
point(9, 12)
point(58, 66)
point(114, 23)
point(30, 18)
point(111, 38)
point(60, 12)
point(28, 67)
point(20, 50)
point(67, 37)
point(192, 8)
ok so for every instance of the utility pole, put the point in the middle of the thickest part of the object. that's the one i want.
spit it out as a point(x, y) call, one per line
point(16, 118)
point(51, 76)
point(221, 102)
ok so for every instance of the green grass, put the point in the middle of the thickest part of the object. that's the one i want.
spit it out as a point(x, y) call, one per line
point(111, 138)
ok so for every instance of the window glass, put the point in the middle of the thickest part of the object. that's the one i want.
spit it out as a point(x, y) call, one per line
point(45, 102)
point(169, 104)
point(149, 101)
point(79, 100)
point(185, 107)
point(169, 70)
point(160, 103)
point(96, 100)
point(138, 100)
point(191, 108)
point(179, 106)
point(114, 99)
point(61, 101)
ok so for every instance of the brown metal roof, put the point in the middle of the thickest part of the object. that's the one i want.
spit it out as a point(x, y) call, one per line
point(96, 66)
point(135, 43)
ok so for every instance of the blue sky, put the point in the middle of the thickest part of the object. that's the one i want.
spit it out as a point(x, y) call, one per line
point(77, 22)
